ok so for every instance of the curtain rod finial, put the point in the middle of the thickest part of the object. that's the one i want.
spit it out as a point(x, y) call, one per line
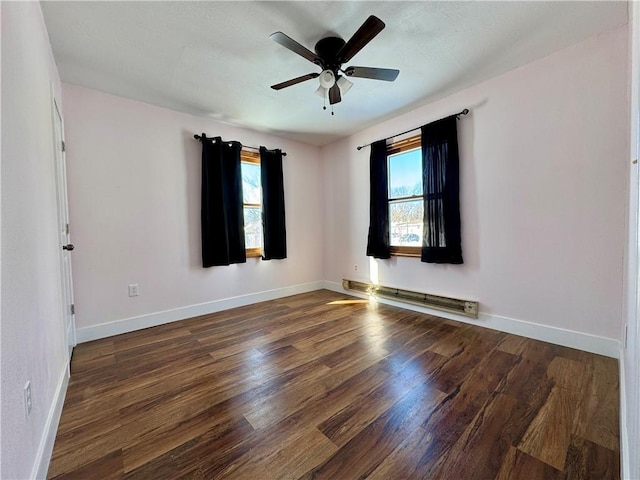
point(465, 111)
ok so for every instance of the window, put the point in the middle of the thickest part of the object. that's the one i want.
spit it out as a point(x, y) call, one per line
point(406, 204)
point(252, 202)
point(414, 196)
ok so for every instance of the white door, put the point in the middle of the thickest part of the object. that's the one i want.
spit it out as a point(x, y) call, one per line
point(63, 231)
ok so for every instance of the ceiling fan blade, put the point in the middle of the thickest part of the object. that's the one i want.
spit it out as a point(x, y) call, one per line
point(386, 74)
point(293, 81)
point(371, 27)
point(294, 46)
point(334, 94)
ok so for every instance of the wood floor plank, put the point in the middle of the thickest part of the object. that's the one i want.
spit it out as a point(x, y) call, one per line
point(449, 420)
point(531, 395)
point(84, 445)
point(107, 467)
point(535, 350)
point(588, 460)
point(274, 408)
point(364, 452)
point(326, 382)
point(484, 437)
point(210, 452)
point(599, 408)
point(318, 385)
point(450, 346)
point(140, 339)
point(519, 465)
point(407, 459)
point(331, 343)
point(568, 374)
point(144, 448)
point(115, 394)
point(461, 364)
point(286, 460)
point(351, 391)
point(343, 425)
point(76, 415)
point(549, 434)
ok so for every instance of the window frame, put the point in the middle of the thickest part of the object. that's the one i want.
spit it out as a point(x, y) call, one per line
point(409, 143)
point(247, 156)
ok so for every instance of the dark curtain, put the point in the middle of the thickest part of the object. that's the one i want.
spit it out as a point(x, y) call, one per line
point(221, 214)
point(441, 242)
point(273, 220)
point(378, 242)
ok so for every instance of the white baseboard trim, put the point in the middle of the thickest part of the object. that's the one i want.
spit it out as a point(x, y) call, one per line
point(45, 449)
point(558, 336)
point(125, 325)
point(625, 466)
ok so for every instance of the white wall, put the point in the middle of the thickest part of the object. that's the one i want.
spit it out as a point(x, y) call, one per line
point(543, 193)
point(544, 173)
point(33, 344)
point(134, 194)
point(630, 358)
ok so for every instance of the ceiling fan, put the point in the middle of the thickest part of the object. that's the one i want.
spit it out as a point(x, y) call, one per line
point(330, 54)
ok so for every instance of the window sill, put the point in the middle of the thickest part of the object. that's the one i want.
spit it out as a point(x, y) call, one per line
point(254, 252)
point(406, 252)
point(408, 255)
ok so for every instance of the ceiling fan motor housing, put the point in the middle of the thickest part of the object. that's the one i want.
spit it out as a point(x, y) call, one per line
point(327, 49)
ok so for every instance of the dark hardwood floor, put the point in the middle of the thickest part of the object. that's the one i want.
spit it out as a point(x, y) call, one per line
point(312, 387)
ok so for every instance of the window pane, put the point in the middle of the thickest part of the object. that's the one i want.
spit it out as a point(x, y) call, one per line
point(405, 219)
point(253, 227)
point(405, 174)
point(251, 183)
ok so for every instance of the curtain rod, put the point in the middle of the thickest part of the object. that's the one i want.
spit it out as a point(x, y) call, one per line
point(463, 112)
point(200, 137)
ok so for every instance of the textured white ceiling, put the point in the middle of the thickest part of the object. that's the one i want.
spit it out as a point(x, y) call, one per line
point(216, 59)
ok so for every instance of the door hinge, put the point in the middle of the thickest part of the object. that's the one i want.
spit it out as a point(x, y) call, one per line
point(63, 146)
point(73, 309)
point(67, 229)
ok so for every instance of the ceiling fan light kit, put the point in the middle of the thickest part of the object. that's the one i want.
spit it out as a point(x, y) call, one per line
point(344, 84)
point(330, 54)
point(327, 79)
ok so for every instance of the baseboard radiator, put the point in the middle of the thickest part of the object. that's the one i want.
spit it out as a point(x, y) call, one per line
point(467, 308)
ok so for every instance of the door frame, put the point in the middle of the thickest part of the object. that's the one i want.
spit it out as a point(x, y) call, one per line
point(63, 230)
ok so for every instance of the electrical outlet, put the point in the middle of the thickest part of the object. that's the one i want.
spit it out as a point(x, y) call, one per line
point(133, 290)
point(355, 268)
point(27, 399)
